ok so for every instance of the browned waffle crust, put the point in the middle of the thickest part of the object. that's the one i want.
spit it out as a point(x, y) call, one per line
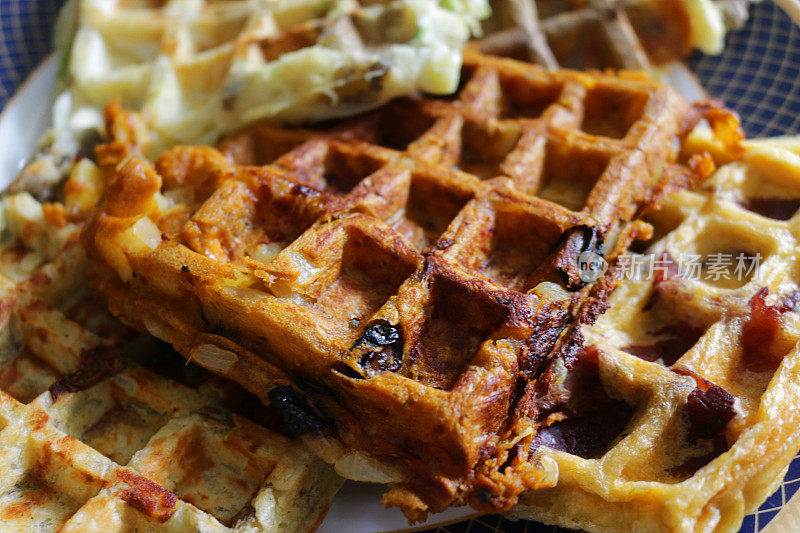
point(91, 440)
point(703, 368)
point(374, 267)
point(596, 33)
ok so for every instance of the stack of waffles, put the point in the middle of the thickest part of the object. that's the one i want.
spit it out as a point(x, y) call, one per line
point(405, 285)
point(629, 34)
point(698, 356)
point(90, 439)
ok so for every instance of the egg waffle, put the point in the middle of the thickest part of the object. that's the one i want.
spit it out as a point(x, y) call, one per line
point(199, 69)
point(407, 296)
point(702, 362)
point(93, 441)
point(628, 34)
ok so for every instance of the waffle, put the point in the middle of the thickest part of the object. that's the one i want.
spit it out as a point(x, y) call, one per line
point(621, 34)
point(90, 439)
point(408, 271)
point(700, 365)
point(200, 69)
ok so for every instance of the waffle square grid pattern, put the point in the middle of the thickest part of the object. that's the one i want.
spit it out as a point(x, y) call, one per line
point(376, 242)
point(92, 440)
point(709, 67)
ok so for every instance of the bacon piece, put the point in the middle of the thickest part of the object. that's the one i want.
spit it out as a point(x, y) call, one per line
point(709, 411)
point(777, 208)
point(147, 496)
point(762, 340)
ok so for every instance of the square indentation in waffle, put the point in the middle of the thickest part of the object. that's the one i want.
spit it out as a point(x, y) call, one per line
point(570, 172)
point(40, 346)
point(395, 126)
point(333, 166)
point(597, 33)
point(419, 202)
point(118, 416)
point(342, 271)
point(507, 237)
point(456, 314)
point(43, 481)
point(518, 97)
point(764, 181)
point(209, 461)
point(611, 111)
point(254, 216)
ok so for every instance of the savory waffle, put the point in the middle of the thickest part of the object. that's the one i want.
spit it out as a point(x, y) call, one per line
point(202, 68)
point(92, 441)
point(701, 363)
point(628, 34)
point(412, 300)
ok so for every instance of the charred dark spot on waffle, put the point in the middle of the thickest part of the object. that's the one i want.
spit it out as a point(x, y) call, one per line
point(764, 342)
point(380, 348)
point(709, 411)
point(96, 367)
point(777, 208)
point(299, 416)
point(574, 242)
point(147, 496)
point(534, 352)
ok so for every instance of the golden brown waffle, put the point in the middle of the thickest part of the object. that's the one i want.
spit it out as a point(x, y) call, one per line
point(92, 441)
point(701, 364)
point(629, 34)
point(372, 265)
